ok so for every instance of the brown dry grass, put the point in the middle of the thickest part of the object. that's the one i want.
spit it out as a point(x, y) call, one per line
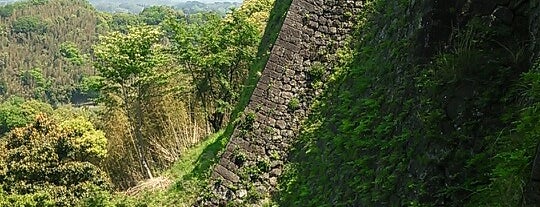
point(151, 185)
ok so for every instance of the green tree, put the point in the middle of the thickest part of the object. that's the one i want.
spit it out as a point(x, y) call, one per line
point(90, 87)
point(132, 67)
point(216, 53)
point(122, 21)
point(70, 51)
point(37, 82)
point(29, 24)
point(154, 15)
point(53, 163)
point(16, 112)
point(6, 11)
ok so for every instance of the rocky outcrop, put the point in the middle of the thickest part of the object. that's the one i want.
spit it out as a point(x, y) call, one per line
point(253, 160)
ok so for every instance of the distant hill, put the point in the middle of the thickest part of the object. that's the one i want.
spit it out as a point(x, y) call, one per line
point(192, 7)
point(187, 7)
point(136, 6)
point(45, 47)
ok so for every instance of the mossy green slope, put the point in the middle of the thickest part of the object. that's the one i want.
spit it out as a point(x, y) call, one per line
point(422, 114)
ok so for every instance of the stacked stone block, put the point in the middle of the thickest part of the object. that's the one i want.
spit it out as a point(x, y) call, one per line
point(253, 160)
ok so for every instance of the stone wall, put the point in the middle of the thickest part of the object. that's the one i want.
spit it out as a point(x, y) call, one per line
point(253, 160)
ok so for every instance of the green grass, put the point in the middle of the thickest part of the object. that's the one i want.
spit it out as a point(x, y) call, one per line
point(189, 175)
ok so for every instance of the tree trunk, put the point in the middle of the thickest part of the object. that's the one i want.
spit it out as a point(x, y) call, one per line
point(135, 123)
point(140, 138)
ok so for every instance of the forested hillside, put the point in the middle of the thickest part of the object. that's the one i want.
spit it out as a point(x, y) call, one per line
point(275, 103)
point(96, 103)
point(45, 48)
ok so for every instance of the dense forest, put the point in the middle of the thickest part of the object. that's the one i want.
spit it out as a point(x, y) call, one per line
point(169, 103)
point(94, 103)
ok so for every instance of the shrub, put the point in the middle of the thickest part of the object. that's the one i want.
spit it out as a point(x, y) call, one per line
point(56, 158)
point(16, 112)
point(294, 104)
point(316, 72)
